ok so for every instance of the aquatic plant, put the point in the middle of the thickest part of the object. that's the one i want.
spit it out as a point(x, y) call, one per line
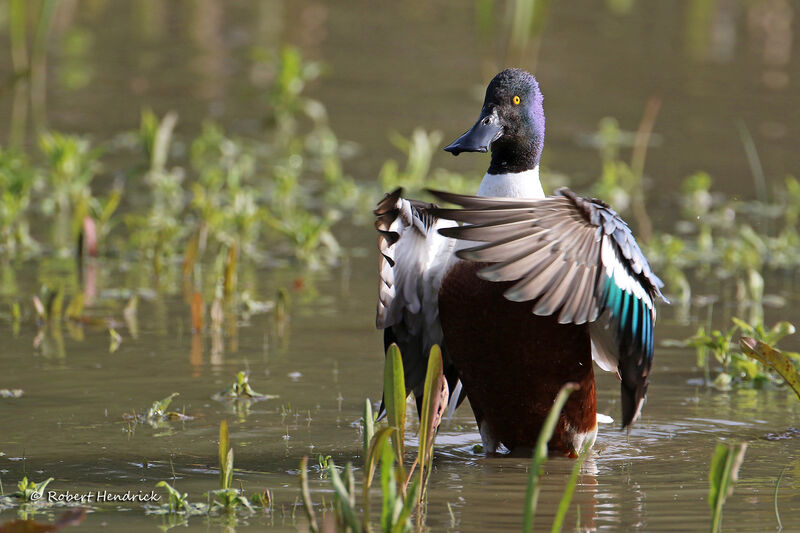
point(785, 364)
point(403, 492)
point(417, 175)
point(157, 231)
point(622, 183)
point(737, 368)
point(158, 415)
point(226, 498)
point(17, 179)
point(291, 75)
point(241, 390)
point(71, 166)
point(722, 476)
point(178, 502)
point(27, 488)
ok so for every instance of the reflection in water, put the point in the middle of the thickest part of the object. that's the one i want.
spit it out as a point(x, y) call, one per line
point(770, 25)
point(196, 354)
point(206, 22)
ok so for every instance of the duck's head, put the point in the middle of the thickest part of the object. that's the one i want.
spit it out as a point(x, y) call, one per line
point(511, 124)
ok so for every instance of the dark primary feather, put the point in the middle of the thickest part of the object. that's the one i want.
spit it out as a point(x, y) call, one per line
point(553, 249)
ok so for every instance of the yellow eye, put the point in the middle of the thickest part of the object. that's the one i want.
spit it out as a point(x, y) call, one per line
point(515, 100)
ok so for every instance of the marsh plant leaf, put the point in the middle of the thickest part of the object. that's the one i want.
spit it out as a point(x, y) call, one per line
point(178, 502)
point(27, 488)
point(433, 403)
point(344, 498)
point(224, 447)
point(540, 454)
point(241, 390)
point(778, 361)
point(159, 409)
point(369, 426)
point(724, 472)
point(394, 397)
point(375, 453)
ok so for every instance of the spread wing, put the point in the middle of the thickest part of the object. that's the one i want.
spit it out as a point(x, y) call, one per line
point(575, 258)
point(413, 260)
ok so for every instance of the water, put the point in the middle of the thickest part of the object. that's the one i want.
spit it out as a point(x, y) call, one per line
point(408, 64)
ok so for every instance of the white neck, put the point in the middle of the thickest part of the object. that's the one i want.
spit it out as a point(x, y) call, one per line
point(523, 184)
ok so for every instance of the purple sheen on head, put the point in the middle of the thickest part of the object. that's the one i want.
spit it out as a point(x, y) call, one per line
point(524, 123)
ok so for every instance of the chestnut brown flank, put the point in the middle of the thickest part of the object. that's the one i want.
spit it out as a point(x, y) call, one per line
point(512, 362)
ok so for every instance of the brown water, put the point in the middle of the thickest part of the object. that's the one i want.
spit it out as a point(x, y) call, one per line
point(395, 66)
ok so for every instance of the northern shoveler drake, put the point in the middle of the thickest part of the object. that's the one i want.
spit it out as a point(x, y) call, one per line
point(556, 283)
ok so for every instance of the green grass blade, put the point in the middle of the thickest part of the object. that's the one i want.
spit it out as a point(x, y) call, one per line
point(569, 490)
point(394, 396)
point(540, 454)
point(722, 477)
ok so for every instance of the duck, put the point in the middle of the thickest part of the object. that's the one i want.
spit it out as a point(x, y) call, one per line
point(523, 292)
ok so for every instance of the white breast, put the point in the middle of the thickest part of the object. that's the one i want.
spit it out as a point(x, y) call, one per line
point(523, 184)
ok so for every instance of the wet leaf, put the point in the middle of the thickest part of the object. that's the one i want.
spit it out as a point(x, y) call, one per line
point(774, 359)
